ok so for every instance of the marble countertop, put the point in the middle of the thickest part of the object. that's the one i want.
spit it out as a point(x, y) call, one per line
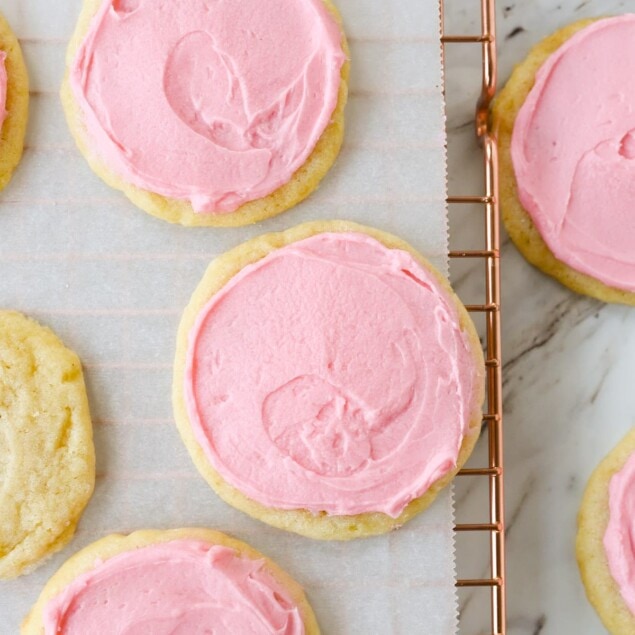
point(568, 378)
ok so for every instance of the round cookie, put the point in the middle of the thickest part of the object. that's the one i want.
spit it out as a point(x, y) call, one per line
point(519, 223)
point(47, 460)
point(13, 128)
point(193, 547)
point(318, 523)
point(593, 520)
point(290, 191)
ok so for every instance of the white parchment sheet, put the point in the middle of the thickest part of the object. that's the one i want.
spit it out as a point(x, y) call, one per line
point(112, 281)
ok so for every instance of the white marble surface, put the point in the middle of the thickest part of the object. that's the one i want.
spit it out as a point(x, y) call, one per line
point(570, 363)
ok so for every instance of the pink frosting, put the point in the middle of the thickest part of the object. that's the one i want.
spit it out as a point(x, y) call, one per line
point(215, 101)
point(619, 539)
point(3, 88)
point(332, 375)
point(182, 587)
point(573, 150)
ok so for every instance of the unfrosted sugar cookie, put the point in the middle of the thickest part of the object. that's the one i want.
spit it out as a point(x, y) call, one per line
point(606, 538)
point(47, 460)
point(14, 102)
point(208, 112)
point(566, 128)
point(327, 380)
point(180, 581)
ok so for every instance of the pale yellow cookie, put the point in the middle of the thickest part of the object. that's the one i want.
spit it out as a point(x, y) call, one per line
point(322, 526)
point(86, 560)
point(47, 460)
point(303, 182)
point(17, 106)
point(593, 520)
point(517, 221)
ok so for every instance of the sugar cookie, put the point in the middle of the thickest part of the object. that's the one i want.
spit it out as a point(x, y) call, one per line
point(208, 114)
point(47, 460)
point(167, 581)
point(327, 380)
point(14, 102)
point(566, 134)
point(606, 537)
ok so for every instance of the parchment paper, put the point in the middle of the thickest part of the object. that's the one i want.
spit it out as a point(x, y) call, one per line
point(112, 282)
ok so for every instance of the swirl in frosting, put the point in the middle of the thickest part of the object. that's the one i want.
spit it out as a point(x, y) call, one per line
point(218, 102)
point(182, 587)
point(619, 538)
point(573, 150)
point(332, 375)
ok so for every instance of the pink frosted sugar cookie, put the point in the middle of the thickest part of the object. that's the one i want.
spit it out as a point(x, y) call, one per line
point(181, 581)
point(606, 538)
point(208, 113)
point(327, 380)
point(14, 102)
point(566, 129)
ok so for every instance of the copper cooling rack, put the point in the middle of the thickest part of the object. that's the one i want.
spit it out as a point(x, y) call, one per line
point(487, 203)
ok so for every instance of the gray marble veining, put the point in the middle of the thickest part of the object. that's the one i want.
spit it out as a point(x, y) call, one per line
point(570, 364)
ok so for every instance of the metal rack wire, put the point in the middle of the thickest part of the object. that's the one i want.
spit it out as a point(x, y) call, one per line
point(493, 416)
